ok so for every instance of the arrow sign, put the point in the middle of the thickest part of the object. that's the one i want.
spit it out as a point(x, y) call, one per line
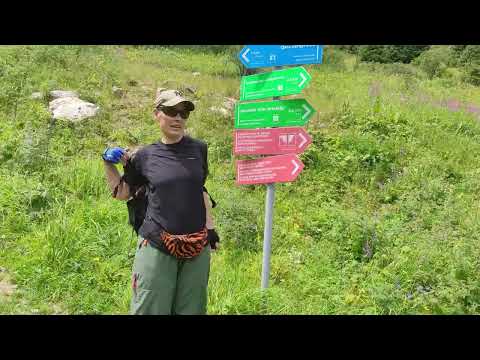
point(272, 169)
point(255, 56)
point(293, 112)
point(271, 141)
point(276, 83)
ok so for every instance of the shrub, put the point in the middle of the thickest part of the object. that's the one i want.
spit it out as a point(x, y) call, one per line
point(390, 53)
point(333, 56)
point(436, 60)
point(472, 74)
point(351, 49)
point(14, 72)
point(470, 55)
point(400, 69)
point(372, 53)
point(458, 48)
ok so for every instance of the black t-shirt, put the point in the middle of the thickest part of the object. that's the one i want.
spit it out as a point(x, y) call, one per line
point(175, 175)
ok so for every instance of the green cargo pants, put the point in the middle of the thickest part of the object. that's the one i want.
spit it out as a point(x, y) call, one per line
point(165, 285)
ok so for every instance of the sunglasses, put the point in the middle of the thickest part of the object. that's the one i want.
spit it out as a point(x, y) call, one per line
point(172, 112)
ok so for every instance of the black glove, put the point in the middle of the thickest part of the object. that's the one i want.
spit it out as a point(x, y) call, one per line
point(213, 238)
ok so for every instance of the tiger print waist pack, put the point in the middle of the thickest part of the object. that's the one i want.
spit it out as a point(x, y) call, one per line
point(185, 246)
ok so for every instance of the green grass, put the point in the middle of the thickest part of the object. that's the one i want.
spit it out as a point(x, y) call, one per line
point(383, 219)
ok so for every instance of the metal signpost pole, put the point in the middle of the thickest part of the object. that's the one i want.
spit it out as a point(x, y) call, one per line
point(267, 233)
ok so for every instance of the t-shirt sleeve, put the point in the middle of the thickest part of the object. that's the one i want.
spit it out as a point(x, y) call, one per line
point(134, 174)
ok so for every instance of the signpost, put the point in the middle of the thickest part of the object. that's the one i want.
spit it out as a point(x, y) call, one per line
point(271, 169)
point(272, 127)
point(293, 112)
point(288, 140)
point(256, 56)
point(276, 83)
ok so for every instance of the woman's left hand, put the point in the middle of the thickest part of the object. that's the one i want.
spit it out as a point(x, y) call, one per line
point(213, 239)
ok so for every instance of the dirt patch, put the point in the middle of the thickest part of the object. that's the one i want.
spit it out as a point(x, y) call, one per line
point(6, 286)
point(14, 303)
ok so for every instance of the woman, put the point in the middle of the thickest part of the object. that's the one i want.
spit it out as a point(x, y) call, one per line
point(172, 261)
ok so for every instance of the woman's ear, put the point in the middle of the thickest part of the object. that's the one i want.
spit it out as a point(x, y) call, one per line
point(158, 117)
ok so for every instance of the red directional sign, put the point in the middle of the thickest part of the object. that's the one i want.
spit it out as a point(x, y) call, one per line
point(272, 169)
point(271, 141)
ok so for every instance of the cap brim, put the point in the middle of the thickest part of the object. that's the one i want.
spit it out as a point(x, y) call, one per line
point(175, 101)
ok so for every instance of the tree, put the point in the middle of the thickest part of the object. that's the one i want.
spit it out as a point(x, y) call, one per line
point(436, 60)
point(470, 55)
point(391, 53)
point(472, 75)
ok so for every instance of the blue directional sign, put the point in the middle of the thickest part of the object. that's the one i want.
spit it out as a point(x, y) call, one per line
point(255, 56)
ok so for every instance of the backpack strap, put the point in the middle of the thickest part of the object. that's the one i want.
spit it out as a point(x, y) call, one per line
point(204, 188)
point(211, 199)
point(115, 190)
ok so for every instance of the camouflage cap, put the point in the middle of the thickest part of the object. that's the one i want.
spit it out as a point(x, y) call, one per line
point(168, 97)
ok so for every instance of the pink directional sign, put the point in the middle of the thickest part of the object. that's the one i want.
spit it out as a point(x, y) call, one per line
point(272, 169)
point(271, 141)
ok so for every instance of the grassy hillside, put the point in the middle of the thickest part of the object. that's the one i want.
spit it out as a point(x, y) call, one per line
point(383, 219)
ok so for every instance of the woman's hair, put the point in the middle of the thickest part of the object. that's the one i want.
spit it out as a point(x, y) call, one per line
point(159, 90)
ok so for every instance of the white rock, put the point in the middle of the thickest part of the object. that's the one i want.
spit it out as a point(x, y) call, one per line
point(7, 288)
point(72, 108)
point(219, 110)
point(36, 96)
point(229, 103)
point(118, 92)
point(58, 94)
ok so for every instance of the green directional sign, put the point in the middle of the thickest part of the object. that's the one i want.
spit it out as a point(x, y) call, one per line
point(276, 83)
point(278, 113)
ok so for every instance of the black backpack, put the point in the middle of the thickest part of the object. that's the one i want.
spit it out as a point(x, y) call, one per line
point(137, 204)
